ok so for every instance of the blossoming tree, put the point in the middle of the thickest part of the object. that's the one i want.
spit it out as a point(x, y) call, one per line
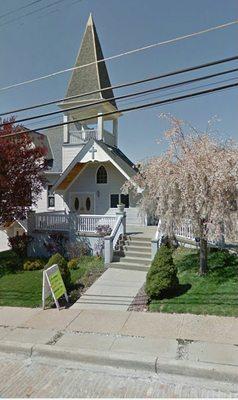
point(21, 171)
point(196, 179)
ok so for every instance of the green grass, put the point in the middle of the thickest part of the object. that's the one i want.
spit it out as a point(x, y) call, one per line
point(23, 288)
point(215, 293)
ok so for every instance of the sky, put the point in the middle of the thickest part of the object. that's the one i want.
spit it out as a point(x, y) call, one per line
point(48, 40)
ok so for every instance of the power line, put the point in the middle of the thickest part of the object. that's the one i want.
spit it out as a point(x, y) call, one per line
point(135, 94)
point(127, 84)
point(19, 8)
point(33, 12)
point(176, 39)
point(134, 108)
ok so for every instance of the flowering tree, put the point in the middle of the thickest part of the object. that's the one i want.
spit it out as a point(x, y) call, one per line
point(21, 171)
point(196, 179)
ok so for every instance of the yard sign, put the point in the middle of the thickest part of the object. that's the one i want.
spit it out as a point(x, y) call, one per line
point(53, 284)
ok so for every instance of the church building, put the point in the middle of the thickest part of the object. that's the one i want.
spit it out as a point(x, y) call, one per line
point(87, 169)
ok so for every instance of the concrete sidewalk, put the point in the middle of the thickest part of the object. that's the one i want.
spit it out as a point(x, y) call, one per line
point(206, 345)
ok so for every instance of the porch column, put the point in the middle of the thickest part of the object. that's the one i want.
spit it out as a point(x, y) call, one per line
point(115, 131)
point(66, 129)
point(100, 126)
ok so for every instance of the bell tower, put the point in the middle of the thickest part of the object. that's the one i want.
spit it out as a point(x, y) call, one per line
point(90, 76)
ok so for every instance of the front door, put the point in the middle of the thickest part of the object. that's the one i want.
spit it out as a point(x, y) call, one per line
point(83, 203)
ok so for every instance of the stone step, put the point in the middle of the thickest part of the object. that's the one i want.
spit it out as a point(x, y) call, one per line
point(140, 249)
point(136, 260)
point(129, 266)
point(136, 239)
point(137, 253)
point(141, 243)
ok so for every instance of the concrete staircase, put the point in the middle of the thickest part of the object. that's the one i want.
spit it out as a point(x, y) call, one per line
point(134, 254)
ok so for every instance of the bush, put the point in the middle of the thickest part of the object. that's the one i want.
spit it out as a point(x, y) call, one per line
point(74, 263)
point(32, 265)
point(19, 244)
point(78, 249)
point(161, 278)
point(63, 267)
point(57, 243)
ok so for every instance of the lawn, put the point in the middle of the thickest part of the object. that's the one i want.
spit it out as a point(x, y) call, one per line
point(215, 293)
point(21, 288)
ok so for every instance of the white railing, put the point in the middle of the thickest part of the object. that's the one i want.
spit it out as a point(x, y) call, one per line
point(185, 230)
point(112, 239)
point(52, 221)
point(92, 223)
point(83, 135)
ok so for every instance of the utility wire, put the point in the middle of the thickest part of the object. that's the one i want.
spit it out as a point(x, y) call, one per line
point(135, 94)
point(150, 46)
point(140, 107)
point(33, 12)
point(127, 84)
point(19, 8)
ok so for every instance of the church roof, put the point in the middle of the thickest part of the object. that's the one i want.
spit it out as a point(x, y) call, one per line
point(92, 77)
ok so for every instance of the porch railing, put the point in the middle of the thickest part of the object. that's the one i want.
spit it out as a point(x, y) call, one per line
point(52, 221)
point(91, 223)
point(112, 240)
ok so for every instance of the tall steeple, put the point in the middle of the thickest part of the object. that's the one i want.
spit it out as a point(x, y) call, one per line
point(92, 77)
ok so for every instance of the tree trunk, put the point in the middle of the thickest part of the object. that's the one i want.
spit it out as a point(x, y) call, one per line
point(203, 257)
point(203, 250)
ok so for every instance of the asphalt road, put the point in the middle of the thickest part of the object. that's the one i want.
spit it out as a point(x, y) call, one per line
point(20, 377)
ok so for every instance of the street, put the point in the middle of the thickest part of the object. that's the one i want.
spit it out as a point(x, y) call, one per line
point(21, 377)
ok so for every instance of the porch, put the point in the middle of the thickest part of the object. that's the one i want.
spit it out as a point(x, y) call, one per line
point(108, 228)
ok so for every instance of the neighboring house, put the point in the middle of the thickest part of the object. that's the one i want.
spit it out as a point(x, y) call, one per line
point(87, 169)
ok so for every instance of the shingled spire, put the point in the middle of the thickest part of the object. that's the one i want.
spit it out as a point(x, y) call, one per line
point(92, 77)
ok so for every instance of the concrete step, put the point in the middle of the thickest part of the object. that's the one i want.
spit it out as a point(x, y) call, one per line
point(140, 239)
point(129, 266)
point(136, 260)
point(139, 243)
point(137, 253)
point(137, 249)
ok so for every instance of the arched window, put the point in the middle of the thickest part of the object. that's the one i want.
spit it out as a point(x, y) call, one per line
point(102, 175)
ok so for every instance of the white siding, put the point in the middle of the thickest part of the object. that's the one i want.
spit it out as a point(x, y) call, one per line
point(68, 154)
point(3, 241)
point(86, 183)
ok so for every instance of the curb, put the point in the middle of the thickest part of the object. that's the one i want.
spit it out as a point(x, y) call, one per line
point(142, 362)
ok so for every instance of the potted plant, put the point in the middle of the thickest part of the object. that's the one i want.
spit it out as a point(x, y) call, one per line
point(120, 207)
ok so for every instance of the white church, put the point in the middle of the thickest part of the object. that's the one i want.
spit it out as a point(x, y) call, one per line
point(87, 169)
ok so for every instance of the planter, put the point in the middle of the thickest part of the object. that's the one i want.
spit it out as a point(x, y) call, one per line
point(121, 207)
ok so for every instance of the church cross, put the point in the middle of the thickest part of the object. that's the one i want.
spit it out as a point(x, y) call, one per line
point(93, 151)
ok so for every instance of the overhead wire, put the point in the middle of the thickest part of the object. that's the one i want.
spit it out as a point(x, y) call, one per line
point(126, 84)
point(125, 53)
point(134, 108)
point(135, 94)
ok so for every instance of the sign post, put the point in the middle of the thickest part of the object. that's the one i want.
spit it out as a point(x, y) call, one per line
point(53, 284)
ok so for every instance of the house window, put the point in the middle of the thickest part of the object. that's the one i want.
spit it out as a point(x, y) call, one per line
point(119, 198)
point(101, 175)
point(50, 197)
point(76, 203)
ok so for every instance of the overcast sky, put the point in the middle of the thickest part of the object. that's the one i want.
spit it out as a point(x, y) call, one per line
point(48, 40)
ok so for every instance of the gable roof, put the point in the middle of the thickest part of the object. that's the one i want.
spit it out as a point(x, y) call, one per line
point(116, 156)
point(93, 77)
point(55, 139)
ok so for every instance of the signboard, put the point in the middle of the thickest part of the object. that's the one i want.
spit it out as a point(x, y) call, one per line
point(53, 284)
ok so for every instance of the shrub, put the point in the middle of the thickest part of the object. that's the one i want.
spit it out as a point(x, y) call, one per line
point(19, 244)
point(57, 243)
point(78, 249)
point(63, 267)
point(74, 263)
point(161, 278)
point(32, 265)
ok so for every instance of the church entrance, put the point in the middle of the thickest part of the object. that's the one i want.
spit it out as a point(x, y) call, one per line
point(83, 203)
